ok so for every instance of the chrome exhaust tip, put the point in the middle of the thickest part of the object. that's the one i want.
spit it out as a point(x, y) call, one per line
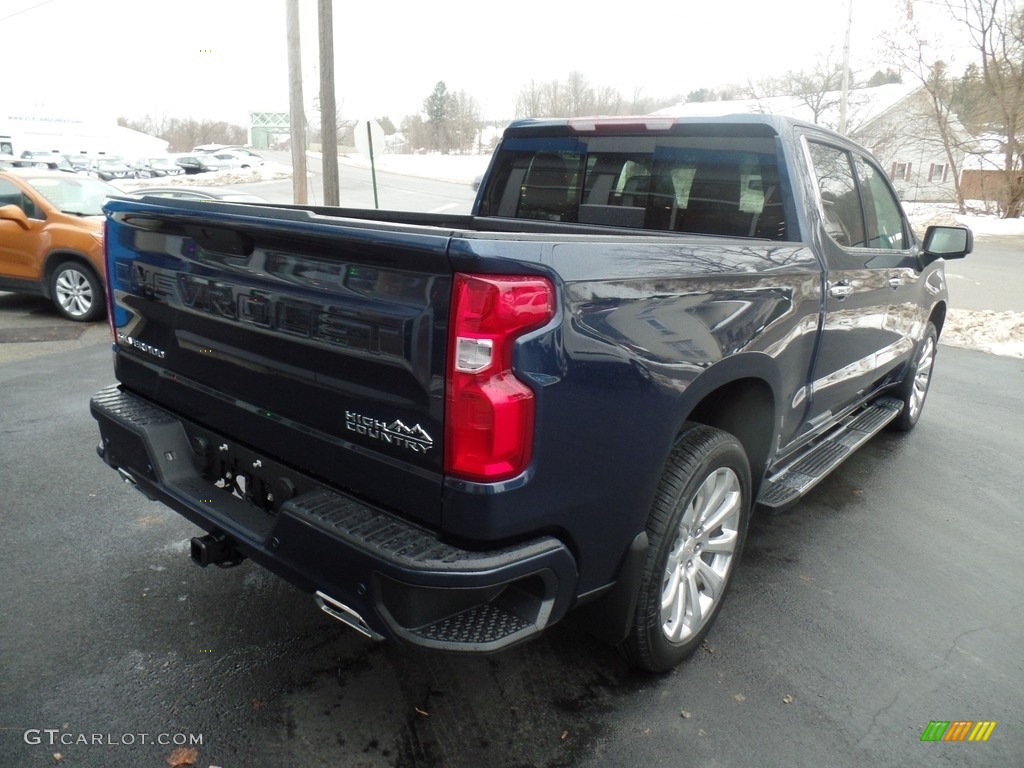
point(345, 615)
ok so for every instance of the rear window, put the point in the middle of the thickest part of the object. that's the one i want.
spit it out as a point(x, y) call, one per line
point(707, 185)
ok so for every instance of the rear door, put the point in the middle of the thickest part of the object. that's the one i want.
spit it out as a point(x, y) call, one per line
point(317, 342)
point(870, 260)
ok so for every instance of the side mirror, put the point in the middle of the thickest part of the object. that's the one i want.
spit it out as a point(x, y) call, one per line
point(15, 214)
point(947, 242)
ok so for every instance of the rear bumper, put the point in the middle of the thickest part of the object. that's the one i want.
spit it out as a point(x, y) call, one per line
point(397, 578)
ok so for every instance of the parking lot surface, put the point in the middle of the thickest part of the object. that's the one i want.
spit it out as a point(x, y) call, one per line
point(888, 599)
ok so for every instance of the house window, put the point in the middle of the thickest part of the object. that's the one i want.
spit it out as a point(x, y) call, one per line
point(938, 172)
point(900, 171)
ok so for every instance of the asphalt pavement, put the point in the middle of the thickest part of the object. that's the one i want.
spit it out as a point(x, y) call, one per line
point(888, 599)
point(991, 278)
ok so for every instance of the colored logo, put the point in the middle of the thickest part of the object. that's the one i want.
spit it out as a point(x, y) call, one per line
point(958, 730)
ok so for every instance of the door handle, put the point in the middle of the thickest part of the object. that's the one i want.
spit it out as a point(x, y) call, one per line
point(840, 290)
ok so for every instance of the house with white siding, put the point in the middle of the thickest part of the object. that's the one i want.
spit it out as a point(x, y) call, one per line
point(894, 121)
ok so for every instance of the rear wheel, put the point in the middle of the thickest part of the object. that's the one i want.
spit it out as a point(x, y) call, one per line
point(914, 388)
point(76, 292)
point(696, 530)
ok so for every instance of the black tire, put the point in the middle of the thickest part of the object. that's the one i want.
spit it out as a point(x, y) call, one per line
point(76, 291)
point(914, 388)
point(707, 477)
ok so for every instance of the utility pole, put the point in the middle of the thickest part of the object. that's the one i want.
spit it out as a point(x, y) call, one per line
point(296, 107)
point(328, 113)
point(846, 69)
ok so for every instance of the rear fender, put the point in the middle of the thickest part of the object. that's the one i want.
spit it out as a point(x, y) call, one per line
point(739, 395)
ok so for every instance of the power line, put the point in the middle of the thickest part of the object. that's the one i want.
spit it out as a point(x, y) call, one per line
point(25, 10)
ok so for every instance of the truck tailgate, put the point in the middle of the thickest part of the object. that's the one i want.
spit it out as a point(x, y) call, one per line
point(323, 342)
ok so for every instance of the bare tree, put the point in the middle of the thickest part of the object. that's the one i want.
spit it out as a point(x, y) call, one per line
point(608, 101)
point(415, 132)
point(148, 124)
point(452, 122)
point(530, 100)
point(578, 95)
point(182, 134)
point(464, 122)
point(817, 88)
point(996, 29)
point(912, 52)
point(575, 98)
point(556, 103)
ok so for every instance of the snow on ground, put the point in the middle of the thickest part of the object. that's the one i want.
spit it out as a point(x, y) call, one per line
point(1001, 333)
point(269, 171)
point(923, 214)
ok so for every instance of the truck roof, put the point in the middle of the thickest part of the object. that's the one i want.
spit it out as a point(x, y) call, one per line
point(748, 124)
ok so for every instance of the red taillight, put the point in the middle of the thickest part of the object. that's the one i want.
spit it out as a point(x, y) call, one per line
point(490, 413)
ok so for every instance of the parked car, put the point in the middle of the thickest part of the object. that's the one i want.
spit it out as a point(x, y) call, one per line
point(110, 168)
point(51, 238)
point(199, 193)
point(215, 148)
point(157, 167)
point(232, 158)
point(42, 159)
point(36, 158)
point(78, 163)
point(199, 163)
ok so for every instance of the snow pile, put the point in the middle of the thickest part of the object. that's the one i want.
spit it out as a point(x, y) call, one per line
point(269, 171)
point(1000, 333)
point(923, 215)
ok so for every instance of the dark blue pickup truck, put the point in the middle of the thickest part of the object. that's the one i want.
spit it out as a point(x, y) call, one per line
point(452, 430)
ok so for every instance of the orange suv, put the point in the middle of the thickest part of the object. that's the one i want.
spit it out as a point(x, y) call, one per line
point(51, 238)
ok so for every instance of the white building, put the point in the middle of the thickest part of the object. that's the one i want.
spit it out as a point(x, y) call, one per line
point(73, 135)
point(893, 121)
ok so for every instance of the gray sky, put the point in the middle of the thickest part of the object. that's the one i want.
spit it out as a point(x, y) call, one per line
point(219, 59)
